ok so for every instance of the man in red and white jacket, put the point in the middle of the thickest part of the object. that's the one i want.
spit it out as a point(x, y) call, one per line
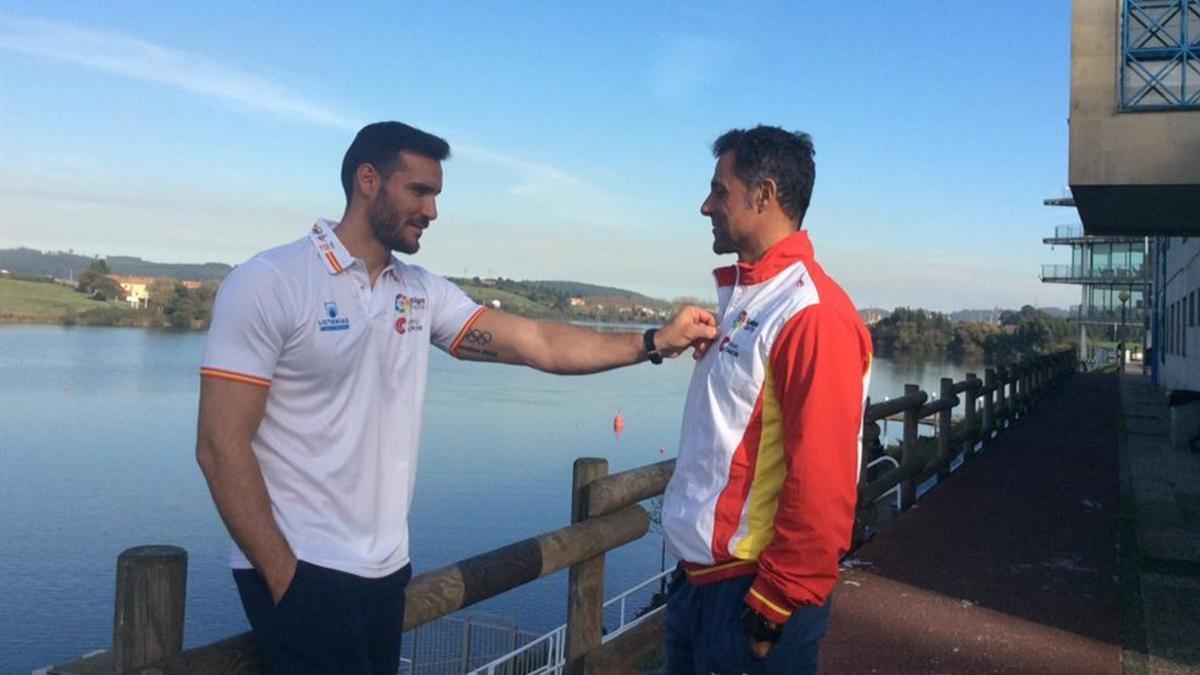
point(761, 505)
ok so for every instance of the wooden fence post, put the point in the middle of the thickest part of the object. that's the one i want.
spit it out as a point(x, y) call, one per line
point(989, 405)
point(908, 447)
point(943, 426)
point(585, 581)
point(969, 418)
point(864, 513)
point(149, 609)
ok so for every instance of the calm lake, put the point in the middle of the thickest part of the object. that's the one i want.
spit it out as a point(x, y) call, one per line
point(97, 431)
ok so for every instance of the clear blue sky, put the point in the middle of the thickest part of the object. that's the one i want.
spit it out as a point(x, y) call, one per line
point(208, 131)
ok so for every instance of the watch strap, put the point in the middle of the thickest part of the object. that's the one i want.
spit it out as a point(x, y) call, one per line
point(652, 352)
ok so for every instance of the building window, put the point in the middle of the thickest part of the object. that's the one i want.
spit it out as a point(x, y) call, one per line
point(1160, 67)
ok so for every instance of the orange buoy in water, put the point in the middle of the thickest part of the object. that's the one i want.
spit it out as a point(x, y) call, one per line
point(618, 424)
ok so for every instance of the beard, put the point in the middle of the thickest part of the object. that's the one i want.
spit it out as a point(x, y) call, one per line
point(388, 228)
point(721, 243)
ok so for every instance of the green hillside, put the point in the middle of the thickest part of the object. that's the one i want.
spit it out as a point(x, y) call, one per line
point(39, 302)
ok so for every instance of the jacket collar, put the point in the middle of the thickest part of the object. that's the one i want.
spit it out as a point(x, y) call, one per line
point(329, 247)
point(779, 257)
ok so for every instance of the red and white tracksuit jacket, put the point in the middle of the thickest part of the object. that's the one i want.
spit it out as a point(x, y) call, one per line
point(766, 477)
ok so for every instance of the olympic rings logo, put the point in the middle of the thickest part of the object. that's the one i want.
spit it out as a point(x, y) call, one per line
point(479, 337)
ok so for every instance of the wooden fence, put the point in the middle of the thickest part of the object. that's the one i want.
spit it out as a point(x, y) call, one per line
point(605, 513)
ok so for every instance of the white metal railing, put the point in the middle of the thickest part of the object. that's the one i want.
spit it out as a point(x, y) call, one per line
point(896, 489)
point(622, 624)
point(547, 654)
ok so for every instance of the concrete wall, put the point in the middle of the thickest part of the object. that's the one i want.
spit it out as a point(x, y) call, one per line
point(1110, 147)
point(1182, 276)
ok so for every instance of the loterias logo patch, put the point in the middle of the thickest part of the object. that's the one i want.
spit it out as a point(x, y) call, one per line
point(332, 320)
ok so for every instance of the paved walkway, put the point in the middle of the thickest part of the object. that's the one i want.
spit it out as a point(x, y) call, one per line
point(1010, 566)
point(1160, 537)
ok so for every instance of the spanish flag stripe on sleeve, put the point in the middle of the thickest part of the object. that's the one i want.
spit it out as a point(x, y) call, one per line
point(466, 330)
point(234, 377)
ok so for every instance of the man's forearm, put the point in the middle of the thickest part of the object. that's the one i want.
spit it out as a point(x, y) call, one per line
point(236, 483)
point(571, 350)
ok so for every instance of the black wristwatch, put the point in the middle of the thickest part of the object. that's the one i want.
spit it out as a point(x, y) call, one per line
point(651, 350)
point(759, 628)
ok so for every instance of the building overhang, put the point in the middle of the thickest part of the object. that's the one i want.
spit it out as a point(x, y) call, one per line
point(1139, 210)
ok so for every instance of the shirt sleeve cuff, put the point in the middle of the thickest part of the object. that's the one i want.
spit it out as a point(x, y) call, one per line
point(234, 376)
point(768, 601)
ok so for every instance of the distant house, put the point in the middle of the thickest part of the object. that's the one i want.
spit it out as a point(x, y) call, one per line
point(872, 316)
point(137, 289)
point(577, 302)
point(192, 285)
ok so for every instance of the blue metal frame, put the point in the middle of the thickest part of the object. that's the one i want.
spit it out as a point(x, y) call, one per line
point(1173, 50)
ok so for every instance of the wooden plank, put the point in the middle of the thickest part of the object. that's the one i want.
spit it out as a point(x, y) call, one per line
point(609, 493)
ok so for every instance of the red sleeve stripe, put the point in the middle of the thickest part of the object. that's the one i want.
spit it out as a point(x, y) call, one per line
point(234, 377)
point(466, 330)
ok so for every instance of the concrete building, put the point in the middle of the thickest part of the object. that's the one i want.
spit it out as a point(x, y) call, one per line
point(1135, 116)
point(1135, 155)
point(1177, 308)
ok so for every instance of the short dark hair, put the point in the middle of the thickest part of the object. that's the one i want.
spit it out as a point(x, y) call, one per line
point(770, 152)
point(380, 144)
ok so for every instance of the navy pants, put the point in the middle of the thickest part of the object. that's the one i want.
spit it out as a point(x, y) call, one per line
point(327, 621)
point(705, 633)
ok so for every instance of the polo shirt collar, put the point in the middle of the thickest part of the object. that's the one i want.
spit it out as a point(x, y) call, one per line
point(329, 247)
point(779, 257)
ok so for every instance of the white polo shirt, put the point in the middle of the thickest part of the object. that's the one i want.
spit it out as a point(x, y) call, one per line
point(346, 366)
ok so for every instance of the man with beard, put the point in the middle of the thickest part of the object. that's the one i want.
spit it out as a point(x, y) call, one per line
point(761, 504)
point(312, 388)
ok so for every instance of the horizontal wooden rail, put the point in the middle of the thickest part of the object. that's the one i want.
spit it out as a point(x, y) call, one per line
point(960, 387)
point(878, 411)
point(619, 490)
point(445, 590)
point(937, 406)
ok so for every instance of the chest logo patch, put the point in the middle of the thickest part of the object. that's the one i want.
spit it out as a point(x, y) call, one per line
point(744, 322)
point(332, 320)
point(406, 304)
point(728, 347)
point(406, 313)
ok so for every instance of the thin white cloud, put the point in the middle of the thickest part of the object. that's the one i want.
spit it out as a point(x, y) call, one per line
point(683, 64)
point(143, 60)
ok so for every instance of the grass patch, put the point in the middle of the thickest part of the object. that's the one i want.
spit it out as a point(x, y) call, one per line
point(509, 302)
point(37, 302)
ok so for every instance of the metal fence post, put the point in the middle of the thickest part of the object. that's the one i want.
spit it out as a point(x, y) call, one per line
point(466, 646)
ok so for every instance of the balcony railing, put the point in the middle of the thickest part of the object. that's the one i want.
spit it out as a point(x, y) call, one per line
point(1068, 231)
point(1092, 273)
point(1133, 315)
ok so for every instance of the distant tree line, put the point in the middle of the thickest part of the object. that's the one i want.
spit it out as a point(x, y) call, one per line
point(918, 332)
point(64, 264)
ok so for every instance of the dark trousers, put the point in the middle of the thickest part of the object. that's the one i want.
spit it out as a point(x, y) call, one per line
point(705, 633)
point(327, 621)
